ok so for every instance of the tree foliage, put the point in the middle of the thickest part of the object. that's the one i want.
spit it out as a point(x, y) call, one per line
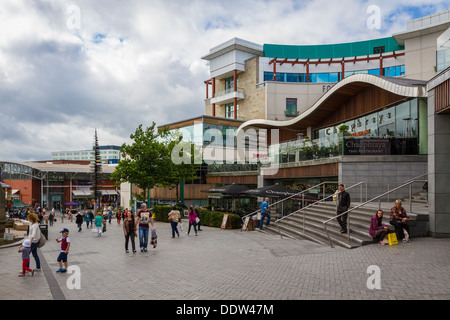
point(153, 159)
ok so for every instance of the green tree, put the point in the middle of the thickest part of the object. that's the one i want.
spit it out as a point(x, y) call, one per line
point(156, 159)
point(144, 163)
point(184, 157)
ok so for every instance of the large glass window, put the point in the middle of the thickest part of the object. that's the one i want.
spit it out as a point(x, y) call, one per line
point(399, 124)
point(386, 122)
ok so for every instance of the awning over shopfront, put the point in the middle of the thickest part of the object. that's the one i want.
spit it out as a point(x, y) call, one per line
point(4, 185)
point(82, 193)
point(109, 192)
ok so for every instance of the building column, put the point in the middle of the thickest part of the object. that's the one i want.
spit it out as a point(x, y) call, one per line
point(235, 90)
point(438, 169)
point(213, 95)
point(381, 65)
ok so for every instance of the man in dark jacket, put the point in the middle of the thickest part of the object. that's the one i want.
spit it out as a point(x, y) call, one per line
point(343, 205)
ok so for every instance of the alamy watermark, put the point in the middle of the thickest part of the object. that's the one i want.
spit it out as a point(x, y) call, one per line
point(73, 21)
point(74, 280)
point(374, 19)
point(374, 280)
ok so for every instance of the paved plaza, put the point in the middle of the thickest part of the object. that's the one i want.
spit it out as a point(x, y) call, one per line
point(227, 265)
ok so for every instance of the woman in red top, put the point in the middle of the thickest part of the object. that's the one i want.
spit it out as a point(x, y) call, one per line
point(118, 216)
point(377, 231)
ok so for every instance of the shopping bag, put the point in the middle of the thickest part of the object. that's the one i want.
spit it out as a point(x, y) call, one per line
point(42, 241)
point(392, 237)
point(154, 240)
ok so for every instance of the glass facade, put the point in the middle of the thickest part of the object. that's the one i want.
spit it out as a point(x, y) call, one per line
point(330, 77)
point(396, 130)
point(203, 134)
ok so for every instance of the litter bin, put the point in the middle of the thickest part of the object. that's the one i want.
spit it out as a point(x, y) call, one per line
point(44, 230)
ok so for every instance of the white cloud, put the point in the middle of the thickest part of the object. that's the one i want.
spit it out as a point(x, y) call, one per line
point(133, 62)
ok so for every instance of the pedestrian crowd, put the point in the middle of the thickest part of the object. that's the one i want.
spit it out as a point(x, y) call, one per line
point(140, 225)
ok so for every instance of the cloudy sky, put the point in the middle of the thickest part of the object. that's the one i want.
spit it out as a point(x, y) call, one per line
point(68, 67)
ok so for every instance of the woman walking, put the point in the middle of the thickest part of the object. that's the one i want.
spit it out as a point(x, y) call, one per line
point(129, 230)
point(174, 215)
point(35, 236)
point(118, 216)
point(192, 216)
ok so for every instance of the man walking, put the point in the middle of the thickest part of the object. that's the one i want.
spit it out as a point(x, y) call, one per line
point(343, 205)
point(265, 212)
point(144, 218)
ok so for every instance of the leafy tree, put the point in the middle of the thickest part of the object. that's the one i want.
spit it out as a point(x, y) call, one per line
point(184, 159)
point(153, 159)
point(146, 162)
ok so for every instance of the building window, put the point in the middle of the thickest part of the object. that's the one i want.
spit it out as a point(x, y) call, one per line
point(291, 107)
point(229, 110)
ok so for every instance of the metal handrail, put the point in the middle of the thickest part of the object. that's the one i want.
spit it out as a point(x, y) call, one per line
point(318, 202)
point(293, 196)
point(409, 182)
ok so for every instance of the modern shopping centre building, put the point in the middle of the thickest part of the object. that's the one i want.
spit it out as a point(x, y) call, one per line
point(374, 111)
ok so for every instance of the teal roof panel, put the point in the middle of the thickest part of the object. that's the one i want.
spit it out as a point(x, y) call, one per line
point(327, 51)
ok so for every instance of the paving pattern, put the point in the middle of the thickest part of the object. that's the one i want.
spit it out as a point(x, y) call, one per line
point(227, 265)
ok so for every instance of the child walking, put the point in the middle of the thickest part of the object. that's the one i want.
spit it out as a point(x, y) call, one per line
point(25, 248)
point(65, 245)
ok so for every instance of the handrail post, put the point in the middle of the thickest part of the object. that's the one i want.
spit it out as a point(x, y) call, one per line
point(303, 220)
point(360, 193)
point(410, 197)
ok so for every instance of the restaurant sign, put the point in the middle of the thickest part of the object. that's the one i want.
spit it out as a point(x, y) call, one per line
point(367, 147)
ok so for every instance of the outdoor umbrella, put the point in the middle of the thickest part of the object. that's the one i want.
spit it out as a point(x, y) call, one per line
point(277, 191)
point(273, 191)
point(231, 189)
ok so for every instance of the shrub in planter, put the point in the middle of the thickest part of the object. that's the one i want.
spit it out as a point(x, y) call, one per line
point(162, 213)
point(214, 219)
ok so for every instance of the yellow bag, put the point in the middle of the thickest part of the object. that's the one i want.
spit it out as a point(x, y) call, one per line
point(392, 237)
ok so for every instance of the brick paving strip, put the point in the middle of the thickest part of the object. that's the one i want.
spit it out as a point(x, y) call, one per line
point(56, 291)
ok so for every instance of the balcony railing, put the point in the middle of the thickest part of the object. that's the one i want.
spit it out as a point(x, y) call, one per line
point(291, 113)
point(226, 96)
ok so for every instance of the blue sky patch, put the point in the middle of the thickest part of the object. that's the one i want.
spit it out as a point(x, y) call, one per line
point(98, 37)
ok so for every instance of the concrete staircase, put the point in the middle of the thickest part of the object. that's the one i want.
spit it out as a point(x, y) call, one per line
point(292, 226)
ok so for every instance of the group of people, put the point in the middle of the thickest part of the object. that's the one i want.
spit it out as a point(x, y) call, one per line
point(141, 224)
point(398, 219)
point(175, 221)
point(30, 245)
